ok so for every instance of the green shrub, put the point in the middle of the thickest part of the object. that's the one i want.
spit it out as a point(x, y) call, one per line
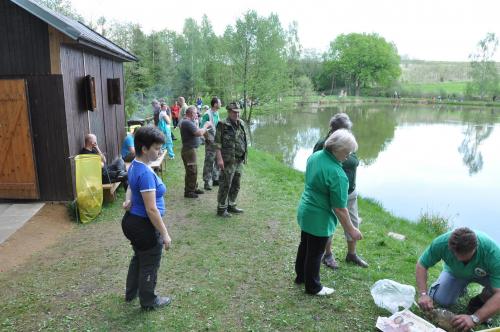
point(435, 223)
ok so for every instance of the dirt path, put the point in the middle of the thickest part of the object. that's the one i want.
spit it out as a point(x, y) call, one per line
point(42, 230)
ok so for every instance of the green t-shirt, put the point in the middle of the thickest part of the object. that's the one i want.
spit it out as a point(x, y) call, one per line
point(349, 166)
point(206, 118)
point(485, 262)
point(325, 189)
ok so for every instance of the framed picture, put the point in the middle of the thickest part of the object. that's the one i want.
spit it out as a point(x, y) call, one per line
point(89, 93)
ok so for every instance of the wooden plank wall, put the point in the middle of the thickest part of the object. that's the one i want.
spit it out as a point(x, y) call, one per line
point(112, 143)
point(120, 109)
point(93, 67)
point(50, 137)
point(108, 121)
point(76, 117)
point(23, 38)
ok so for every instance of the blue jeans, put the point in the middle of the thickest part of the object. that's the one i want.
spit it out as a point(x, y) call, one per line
point(170, 149)
point(447, 288)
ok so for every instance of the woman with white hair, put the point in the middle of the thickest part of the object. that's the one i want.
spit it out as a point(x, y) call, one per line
point(342, 121)
point(322, 205)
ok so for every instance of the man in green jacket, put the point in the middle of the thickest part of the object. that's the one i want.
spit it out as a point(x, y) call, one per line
point(231, 151)
point(210, 168)
point(469, 256)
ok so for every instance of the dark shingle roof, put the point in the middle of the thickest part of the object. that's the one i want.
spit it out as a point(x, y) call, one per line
point(75, 30)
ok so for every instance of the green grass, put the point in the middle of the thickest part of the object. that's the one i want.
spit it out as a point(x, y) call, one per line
point(442, 88)
point(223, 274)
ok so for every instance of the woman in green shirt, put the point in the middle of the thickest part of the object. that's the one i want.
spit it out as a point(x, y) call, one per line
point(342, 121)
point(322, 205)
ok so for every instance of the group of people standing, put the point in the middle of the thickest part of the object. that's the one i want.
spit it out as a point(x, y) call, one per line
point(329, 198)
point(226, 150)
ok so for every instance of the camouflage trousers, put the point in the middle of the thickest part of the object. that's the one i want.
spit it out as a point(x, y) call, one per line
point(190, 179)
point(210, 168)
point(229, 184)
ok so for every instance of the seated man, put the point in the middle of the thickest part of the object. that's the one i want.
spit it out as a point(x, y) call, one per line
point(469, 256)
point(115, 172)
point(128, 149)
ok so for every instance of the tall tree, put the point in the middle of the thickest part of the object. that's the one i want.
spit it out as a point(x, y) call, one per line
point(484, 72)
point(293, 53)
point(365, 60)
point(189, 53)
point(257, 53)
point(137, 76)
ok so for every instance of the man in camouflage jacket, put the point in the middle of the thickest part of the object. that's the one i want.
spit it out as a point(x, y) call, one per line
point(231, 151)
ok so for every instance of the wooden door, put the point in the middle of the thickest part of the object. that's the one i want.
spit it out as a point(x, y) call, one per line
point(18, 177)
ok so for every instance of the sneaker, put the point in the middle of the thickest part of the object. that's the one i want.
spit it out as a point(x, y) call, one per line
point(161, 301)
point(190, 195)
point(199, 191)
point(207, 186)
point(325, 291)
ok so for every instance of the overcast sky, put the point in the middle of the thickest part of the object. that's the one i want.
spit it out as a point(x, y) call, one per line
point(421, 29)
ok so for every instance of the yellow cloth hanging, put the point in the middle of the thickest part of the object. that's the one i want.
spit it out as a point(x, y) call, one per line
point(88, 186)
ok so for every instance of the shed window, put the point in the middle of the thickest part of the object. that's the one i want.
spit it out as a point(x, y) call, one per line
point(114, 91)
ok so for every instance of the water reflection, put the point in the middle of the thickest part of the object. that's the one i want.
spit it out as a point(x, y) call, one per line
point(413, 159)
point(469, 148)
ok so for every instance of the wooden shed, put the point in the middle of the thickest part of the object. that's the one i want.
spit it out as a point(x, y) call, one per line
point(59, 80)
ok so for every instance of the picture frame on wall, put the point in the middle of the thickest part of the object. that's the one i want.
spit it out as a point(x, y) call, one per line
point(89, 93)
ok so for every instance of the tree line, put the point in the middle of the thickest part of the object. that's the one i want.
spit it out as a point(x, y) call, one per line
point(257, 60)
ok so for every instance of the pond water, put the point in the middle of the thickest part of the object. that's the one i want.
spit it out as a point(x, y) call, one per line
point(413, 159)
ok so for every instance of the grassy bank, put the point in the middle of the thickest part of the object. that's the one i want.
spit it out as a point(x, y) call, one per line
point(223, 274)
point(442, 89)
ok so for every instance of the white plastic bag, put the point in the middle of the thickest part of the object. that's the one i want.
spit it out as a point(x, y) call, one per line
point(391, 295)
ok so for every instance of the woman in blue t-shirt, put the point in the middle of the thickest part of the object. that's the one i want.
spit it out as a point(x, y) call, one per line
point(142, 224)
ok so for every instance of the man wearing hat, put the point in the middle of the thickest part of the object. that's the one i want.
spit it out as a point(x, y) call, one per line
point(231, 152)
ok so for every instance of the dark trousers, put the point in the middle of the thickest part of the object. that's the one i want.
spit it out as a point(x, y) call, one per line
point(143, 269)
point(191, 178)
point(308, 262)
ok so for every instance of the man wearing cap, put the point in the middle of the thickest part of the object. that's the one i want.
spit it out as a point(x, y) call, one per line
point(469, 256)
point(231, 152)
